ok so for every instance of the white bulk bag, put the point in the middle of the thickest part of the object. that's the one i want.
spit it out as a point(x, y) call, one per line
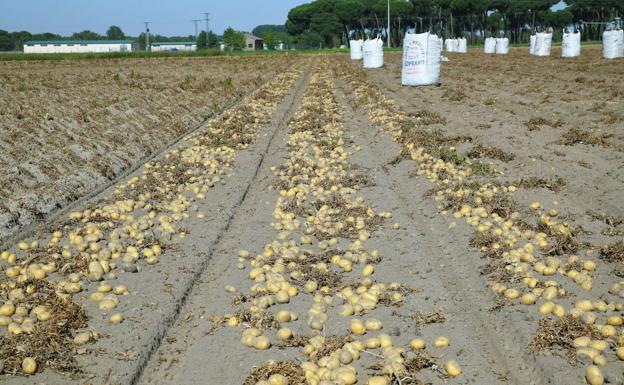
point(421, 59)
point(356, 49)
point(449, 46)
point(502, 46)
point(542, 44)
point(571, 44)
point(613, 44)
point(373, 53)
point(462, 45)
point(490, 45)
point(532, 45)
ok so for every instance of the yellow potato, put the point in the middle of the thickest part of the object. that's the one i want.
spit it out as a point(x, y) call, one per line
point(378, 380)
point(357, 327)
point(29, 365)
point(452, 368)
point(284, 334)
point(417, 344)
point(594, 375)
point(261, 343)
point(116, 318)
point(441, 342)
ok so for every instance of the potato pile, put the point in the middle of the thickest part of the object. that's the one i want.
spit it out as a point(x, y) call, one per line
point(132, 227)
point(322, 226)
point(542, 259)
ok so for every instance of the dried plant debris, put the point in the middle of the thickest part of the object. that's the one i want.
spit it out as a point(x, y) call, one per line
point(294, 342)
point(536, 123)
point(613, 252)
point(584, 136)
point(481, 151)
point(289, 369)
point(51, 342)
point(553, 184)
point(423, 319)
point(414, 363)
point(558, 335)
point(260, 319)
point(331, 344)
point(427, 117)
point(611, 220)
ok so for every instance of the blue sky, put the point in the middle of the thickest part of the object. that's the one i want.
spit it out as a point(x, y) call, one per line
point(168, 17)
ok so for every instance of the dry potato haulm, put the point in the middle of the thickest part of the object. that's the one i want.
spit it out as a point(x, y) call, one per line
point(306, 219)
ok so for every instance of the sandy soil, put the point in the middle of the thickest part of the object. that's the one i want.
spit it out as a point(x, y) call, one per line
point(521, 127)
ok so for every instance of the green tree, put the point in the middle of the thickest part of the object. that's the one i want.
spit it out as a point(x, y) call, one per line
point(213, 40)
point(115, 33)
point(261, 30)
point(201, 40)
point(309, 40)
point(271, 40)
point(6, 44)
point(233, 39)
point(86, 35)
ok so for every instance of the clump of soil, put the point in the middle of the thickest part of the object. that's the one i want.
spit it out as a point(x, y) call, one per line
point(51, 342)
point(613, 252)
point(578, 135)
point(560, 334)
point(289, 369)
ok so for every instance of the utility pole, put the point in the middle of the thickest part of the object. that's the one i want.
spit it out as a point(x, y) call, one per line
point(147, 31)
point(388, 24)
point(196, 30)
point(207, 18)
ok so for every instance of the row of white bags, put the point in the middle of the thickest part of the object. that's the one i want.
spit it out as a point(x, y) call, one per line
point(456, 45)
point(371, 51)
point(496, 45)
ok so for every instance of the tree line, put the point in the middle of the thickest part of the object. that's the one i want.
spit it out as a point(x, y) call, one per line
point(273, 35)
point(331, 23)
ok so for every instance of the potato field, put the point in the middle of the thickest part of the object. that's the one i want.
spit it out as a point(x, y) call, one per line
point(297, 219)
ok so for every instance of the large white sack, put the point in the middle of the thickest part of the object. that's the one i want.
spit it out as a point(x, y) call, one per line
point(449, 45)
point(571, 44)
point(532, 45)
point(543, 41)
point(462, 45)
point(421, 59)
point(502, 46)
point(356, 49)
point(613, 44)
point(373, 53)
point(490, 45)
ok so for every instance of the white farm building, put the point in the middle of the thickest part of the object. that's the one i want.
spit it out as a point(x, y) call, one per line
point(80, 46)
point(174, 46)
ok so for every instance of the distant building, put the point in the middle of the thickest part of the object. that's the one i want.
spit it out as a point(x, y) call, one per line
point(253, 43)
point(80, 46)
point(174, 46)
